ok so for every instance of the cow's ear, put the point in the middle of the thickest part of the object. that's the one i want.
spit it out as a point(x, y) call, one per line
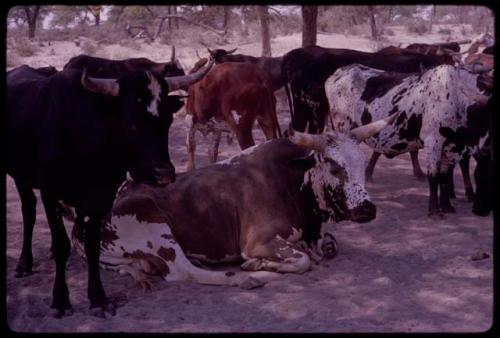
point(304, 162)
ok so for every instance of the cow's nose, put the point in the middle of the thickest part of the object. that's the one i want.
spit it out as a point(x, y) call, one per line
point(365, 212)
point(164, 175)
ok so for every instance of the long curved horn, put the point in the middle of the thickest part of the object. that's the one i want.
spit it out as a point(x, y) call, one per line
point(309, 141)
point(211, 52)
point(172, 58)
point(363, 132)
point(232, 51)
point(177, 82)
point(102, 86)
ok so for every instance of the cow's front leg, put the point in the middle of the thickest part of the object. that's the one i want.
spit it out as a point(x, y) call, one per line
point(433, 194)
point(277, 255)
point(191, 146)
point(214, 152)
point(371, 166)
point(417, 171)
point(444, 197)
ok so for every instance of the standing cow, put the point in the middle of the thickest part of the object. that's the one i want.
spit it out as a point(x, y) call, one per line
point(441, 110)
point(230, 98)
point(265, 209)
point(74, 137)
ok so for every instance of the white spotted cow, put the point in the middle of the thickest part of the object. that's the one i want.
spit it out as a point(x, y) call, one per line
point(265, 209)
point(441, 110)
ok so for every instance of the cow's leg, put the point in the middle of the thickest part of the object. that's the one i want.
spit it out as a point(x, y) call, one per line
point(28, 207)
point(212, 155)
point(464, 167)
point(450, 184)
point(267, 127)
point(444, 198)
point(62, 247)
point(191, 145)
point(433, 194)
point(242, 129)
point(277, 255)
point(371, 166)
point(417, 171)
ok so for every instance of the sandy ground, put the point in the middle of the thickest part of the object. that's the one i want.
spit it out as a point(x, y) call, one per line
point(402, 272)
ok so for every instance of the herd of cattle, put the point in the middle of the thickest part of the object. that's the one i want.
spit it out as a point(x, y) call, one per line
point(75, 134)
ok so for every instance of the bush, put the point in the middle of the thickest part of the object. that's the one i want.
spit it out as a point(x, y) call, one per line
point(25, 48)
point(13, 59)
point(445, 31)
point(88, 47)
point(418, 26)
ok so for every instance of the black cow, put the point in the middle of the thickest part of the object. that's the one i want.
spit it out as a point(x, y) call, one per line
point(271, 65)
point(306, 69)
point(106, 68)
point(74, 137)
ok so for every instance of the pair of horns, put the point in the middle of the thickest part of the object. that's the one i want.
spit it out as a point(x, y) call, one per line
point(227, 52)
point(316, 142)
point(111, 86)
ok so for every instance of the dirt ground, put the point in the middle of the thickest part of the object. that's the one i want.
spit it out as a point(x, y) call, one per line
point(402, 272)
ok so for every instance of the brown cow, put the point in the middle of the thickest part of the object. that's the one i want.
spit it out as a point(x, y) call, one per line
point(230, 99)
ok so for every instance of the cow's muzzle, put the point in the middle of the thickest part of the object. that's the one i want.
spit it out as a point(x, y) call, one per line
point(365, 212)
point(164, 175)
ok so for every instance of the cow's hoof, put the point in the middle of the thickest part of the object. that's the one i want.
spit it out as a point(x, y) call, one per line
point(60, 313)
point(470, 195)
point(448, 209)
point(251, 283)
point(420, 176)
point(22, 273)
point(146, 285)
point(105, 311)
point(252, 264)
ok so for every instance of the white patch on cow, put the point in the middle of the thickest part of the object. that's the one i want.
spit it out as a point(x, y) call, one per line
point(155, 89)
point(129, 177)
point(236, 158)
point(236, 116)
point(86, 219)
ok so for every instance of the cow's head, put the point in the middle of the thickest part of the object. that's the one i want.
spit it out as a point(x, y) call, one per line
point(336, 172)
point(219, 55)
point(144, 113)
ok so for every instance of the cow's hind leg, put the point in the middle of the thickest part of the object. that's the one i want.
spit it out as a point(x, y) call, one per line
point(277, 255)
point(191, 144)
point(464, 167)
point(371, 166)
point(28, 207)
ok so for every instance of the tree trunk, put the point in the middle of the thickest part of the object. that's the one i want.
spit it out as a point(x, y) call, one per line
point(31, 16)
point(244, 26)
point(432, 18)
point(309, 25)
point(227, 12)
point(389, 15)
point(373, 23)
point(264, 25)
point(169, 11)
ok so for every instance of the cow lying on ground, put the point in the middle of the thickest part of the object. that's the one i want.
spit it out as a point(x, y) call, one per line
point(441, 110)
point(232, 95)
point(270, 65)
point(74, 137)
point(266, 209)
point(105, 68)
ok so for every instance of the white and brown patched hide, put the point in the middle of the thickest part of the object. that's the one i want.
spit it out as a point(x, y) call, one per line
point(268, 208)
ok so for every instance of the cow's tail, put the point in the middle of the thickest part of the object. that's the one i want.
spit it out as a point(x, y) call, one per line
point(288, 92)
point(275, 116)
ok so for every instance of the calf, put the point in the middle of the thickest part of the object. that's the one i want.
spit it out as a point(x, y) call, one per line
point(438, 110)
point(232, 95)
point(266, 209)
